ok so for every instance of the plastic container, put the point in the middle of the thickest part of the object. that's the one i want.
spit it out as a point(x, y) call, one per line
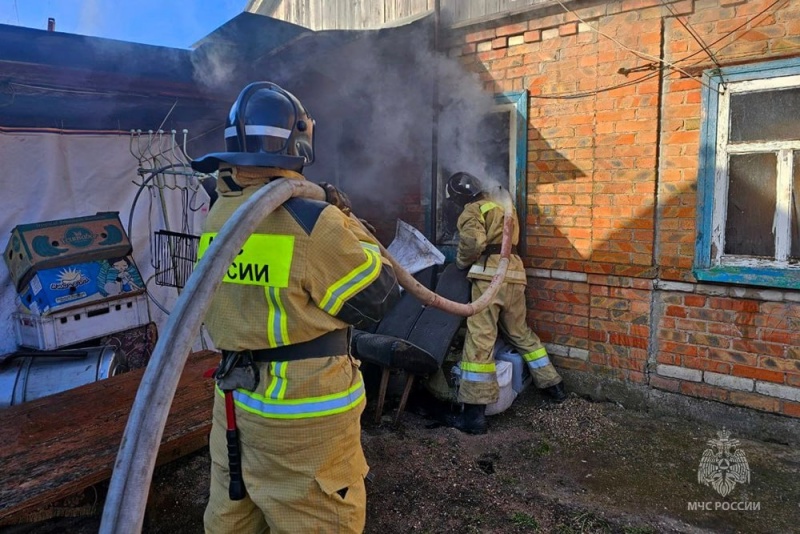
point(507, 393)
point(29, 378)
point(521, 375)
point(73, 326)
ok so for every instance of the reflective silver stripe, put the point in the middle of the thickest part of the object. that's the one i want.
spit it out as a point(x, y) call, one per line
point(475, 376)
point(470, 376)
point(540, 362)
point(354, 281)
point(257, 129)
point(299, 408)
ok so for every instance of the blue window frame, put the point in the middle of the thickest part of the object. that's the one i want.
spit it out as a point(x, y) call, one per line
point(748, 216)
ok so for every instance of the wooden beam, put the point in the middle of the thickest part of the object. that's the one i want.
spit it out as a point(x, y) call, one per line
point(59, 445)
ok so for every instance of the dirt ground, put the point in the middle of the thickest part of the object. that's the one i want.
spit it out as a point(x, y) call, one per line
point(578, 467)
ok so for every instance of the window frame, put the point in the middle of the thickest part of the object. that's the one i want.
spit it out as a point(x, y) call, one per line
point(712, 189)
point(515, 103)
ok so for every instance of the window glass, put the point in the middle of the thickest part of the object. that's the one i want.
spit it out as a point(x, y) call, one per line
point(498, 128)
point(751, 204)
point(765, 116)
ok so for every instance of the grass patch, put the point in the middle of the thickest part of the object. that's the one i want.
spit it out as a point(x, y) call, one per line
point(584, 523)
point(540, 449)
point(521, 519)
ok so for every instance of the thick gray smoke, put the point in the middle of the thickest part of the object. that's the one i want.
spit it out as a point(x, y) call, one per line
point(373, 100)
point(377, 121)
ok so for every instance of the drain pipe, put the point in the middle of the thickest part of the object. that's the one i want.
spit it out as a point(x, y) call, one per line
point(128, 491)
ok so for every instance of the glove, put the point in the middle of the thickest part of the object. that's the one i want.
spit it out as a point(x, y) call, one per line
point(368, 226)
point(336, 197)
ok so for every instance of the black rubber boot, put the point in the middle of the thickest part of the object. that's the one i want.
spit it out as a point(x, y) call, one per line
point(556, 393)
point(472, 420)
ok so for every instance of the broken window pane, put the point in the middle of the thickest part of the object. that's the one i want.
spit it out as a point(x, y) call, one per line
point(765, 116)
point(751, 204)
point(794, 253)
point(498, 128)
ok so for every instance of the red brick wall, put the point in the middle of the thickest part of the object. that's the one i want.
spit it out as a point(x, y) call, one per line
point(743, 351)
point(612, 180)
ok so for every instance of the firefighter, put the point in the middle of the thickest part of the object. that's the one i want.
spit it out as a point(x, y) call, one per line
point(282, 319)
point(480, 231)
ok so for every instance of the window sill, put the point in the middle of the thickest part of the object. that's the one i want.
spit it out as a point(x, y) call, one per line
point(754, 276)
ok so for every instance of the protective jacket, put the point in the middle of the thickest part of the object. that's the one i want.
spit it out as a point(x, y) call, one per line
point(306, 271)
point(479, 225)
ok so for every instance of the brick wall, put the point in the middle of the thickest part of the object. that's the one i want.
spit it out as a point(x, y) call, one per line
point(612, 180)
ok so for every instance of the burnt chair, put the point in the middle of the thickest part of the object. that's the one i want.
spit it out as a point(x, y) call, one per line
point(413, 338)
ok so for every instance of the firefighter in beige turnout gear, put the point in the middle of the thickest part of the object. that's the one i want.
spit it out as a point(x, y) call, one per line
point(282, 318)
point(480, 230)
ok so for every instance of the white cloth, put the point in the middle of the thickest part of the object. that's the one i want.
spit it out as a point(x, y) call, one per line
point(49, 176)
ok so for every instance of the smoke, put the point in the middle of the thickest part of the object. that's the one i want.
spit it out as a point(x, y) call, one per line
point(90, 21)
point(214, 65)
point(373, 100)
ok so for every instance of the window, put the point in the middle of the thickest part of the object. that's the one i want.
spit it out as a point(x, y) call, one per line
point(749, 182)
point(508, 124)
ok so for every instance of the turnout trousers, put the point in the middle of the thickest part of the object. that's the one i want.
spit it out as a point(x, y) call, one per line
point(478, 384)
point(301, 475)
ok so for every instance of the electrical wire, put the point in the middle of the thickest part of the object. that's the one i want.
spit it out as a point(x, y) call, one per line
point(597, 91)
point(641, 55)
point(749, 21)
point(698, 39)
point(651, 75)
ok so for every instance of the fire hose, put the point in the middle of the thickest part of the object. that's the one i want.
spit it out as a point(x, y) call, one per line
point(128, 491)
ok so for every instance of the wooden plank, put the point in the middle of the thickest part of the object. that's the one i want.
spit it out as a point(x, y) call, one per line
point(315, 21)
point(59, 445)
point(329, 17)
point(491, 7)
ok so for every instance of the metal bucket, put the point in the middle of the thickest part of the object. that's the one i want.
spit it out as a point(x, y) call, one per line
point(27, 376)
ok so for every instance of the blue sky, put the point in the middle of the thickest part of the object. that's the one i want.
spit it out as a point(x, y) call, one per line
point(175, 23)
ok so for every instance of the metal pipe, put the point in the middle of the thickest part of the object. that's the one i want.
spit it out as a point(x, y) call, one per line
point(133, 470)
point(433, 222)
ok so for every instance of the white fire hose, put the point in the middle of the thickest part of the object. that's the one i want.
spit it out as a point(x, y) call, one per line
point(133, 470)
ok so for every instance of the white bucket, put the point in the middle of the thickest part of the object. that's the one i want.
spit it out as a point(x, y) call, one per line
point(28, 378)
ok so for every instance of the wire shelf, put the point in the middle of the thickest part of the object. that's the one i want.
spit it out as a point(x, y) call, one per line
point(175, 256)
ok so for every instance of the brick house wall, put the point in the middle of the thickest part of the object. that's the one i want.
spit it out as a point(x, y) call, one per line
point(614, 145)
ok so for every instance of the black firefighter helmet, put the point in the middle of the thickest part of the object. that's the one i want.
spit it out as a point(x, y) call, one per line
point(463, 188)
point(266, 127)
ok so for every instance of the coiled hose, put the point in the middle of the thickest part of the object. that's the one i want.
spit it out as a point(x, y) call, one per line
point(126, 500)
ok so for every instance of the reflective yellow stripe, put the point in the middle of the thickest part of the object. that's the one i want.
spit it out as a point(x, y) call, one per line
point(535, 355)
point(476, 372)
point(299, 408)
point(277, 387)
point(488, 206)
point(265, 260)
point(354, 281)
point(479, 367)
point(277, 331)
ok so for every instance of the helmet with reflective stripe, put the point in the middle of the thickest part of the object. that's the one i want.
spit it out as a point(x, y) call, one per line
point(266, 127)
point(463, 188)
